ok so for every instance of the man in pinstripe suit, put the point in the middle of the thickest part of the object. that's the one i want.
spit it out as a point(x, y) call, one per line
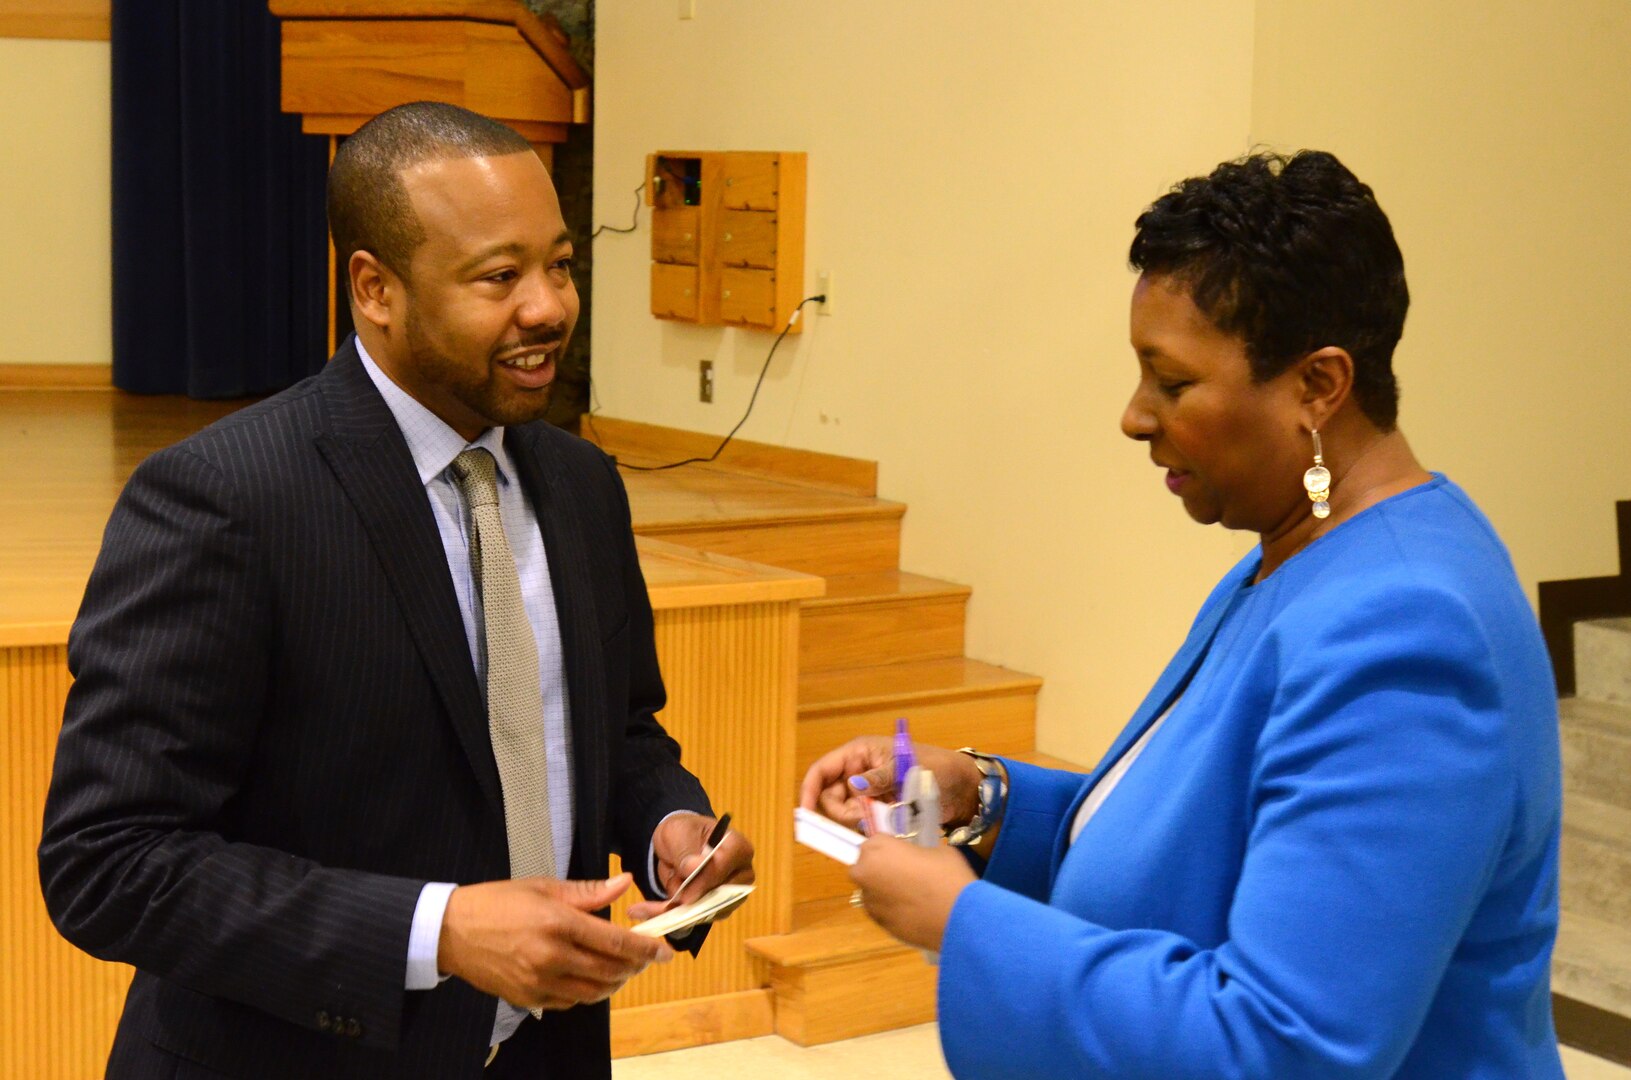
point(274, 792)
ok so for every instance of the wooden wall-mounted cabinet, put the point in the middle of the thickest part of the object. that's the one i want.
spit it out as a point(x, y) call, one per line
point(727, 236)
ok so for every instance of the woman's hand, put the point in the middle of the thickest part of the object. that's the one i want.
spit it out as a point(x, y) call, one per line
point(866, 766)
point(910, 890)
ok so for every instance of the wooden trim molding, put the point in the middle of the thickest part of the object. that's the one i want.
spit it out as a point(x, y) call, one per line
point(674, 1025)
point(1564, 603)
point(56, 376)
point(647, 444)
point(62, 20)
point(1596, 1031)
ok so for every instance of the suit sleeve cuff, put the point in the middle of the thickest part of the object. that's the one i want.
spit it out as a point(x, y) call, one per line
point(651, 856)
point(425, 935)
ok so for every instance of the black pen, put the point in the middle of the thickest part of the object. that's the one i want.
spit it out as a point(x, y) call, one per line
point(715, 838)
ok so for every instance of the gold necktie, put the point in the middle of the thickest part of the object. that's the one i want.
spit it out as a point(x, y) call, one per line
point(515, 706)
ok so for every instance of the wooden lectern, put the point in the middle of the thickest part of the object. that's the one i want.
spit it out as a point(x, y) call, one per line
point(347, 60)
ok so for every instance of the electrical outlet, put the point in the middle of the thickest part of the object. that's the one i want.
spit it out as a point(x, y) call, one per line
point(824, 288)
point(706, 390)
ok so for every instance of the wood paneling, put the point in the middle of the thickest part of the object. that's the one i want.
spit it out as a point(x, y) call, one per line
point(732, 679)
point(58, 1006)
point(74, 20)
point(672, 1025)
point(541, 32)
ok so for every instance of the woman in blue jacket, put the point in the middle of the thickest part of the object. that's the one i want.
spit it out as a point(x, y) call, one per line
point(1326, 845)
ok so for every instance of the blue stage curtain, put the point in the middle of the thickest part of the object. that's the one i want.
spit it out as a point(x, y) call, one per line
point(219, 235)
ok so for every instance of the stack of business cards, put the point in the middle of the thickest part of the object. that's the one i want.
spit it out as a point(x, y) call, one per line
point(712, 905)
point(827, 836)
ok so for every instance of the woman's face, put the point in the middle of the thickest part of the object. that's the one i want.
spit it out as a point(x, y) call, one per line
point(1233, 448)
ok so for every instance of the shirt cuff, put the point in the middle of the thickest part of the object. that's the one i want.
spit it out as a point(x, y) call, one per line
point(651, 855)
point(425, 936)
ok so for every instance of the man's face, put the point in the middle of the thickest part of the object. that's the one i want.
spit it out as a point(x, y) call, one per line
point(488, 304)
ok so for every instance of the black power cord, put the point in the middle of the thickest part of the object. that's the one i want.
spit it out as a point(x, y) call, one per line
point(791, 319)
point(634, 224)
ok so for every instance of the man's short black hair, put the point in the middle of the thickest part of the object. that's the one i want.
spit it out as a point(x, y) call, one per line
point(1291, 254)
point(368, 207)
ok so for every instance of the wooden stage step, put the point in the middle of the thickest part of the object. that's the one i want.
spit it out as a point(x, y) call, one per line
point(767, 521)
point(836, 962)
point(886, 617)
point(842, 976)
point(948, 702)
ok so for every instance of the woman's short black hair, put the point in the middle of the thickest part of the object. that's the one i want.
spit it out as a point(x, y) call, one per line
point(1291, 254)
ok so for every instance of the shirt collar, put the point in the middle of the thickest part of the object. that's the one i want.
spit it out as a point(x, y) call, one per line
point(431, 441)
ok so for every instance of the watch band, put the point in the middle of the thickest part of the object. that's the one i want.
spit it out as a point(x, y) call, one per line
point(993, 799)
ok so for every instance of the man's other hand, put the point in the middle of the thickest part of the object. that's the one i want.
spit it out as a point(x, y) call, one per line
point(535, 942)
point(680, 843)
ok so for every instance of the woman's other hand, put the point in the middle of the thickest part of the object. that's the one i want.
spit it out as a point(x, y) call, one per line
point(910, 890)
point(865, 766)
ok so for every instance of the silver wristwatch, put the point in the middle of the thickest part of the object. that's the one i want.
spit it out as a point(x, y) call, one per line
point(993, 799)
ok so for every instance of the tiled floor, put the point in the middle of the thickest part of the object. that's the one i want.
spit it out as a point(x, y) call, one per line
point(910, 1054)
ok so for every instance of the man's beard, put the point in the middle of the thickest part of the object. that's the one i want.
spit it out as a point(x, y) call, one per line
point(480, 391)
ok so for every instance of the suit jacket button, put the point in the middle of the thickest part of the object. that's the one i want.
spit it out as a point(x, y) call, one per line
point(353, 1029)
point(324, 1021)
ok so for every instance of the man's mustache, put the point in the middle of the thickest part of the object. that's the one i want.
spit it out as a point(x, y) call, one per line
point(536, 339)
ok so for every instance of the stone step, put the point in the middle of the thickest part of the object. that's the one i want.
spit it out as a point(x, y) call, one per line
point(1592, 963)
point(887, 617)
point(1596, 859)
point(1602, 660)
point(841, 976)
point(1597, 749)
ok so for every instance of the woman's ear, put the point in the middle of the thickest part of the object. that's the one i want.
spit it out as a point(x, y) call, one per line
point(374, 288)
point(1327, 377)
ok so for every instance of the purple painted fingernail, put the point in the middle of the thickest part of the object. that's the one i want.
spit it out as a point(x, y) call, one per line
point(859, 783)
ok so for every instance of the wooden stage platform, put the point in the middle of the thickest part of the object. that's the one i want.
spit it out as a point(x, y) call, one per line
point(785, 625)
point(727, 633)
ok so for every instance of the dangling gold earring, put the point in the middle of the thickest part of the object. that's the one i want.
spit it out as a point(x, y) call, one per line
point(1317, 482)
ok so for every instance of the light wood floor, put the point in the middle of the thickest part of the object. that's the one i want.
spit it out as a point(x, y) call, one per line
point(907, 1054)
point(64, 456)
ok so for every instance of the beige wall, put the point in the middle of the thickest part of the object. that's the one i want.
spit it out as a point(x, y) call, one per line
point(55, 263)
point(974, 173)
point(1498, 138)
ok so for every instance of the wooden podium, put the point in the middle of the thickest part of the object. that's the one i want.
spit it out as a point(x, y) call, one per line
point(345, 61)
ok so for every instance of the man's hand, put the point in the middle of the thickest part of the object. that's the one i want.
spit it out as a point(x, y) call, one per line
point(910, 890)
point(534, 942)
point(865, 766)
point(679, 844)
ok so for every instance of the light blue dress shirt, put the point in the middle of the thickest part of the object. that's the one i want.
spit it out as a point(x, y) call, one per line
point(434, 445)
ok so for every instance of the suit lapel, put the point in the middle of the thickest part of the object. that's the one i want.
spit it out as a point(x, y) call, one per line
point(565, 543)
point(370, 459)
point(1167, 689)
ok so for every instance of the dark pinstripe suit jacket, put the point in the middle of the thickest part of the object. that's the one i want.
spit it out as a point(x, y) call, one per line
point(275, 737)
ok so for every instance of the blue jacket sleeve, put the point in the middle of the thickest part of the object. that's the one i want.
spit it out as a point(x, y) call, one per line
point(1038, 799)
point(1378, 800)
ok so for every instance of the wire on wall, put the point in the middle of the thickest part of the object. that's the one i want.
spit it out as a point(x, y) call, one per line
point(791, 320)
